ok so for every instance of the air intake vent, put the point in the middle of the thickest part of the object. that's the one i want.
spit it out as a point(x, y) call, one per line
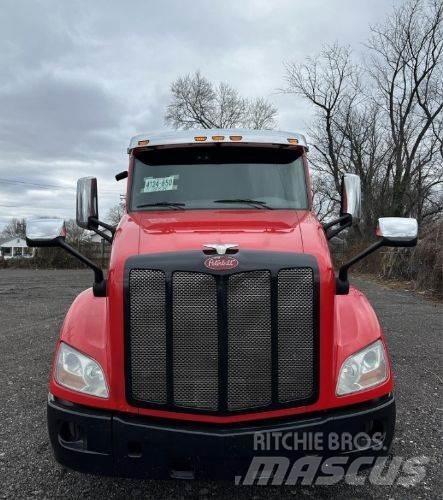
point(249, 340)
point(195, 340)
point(147, 339)
point(295, 335)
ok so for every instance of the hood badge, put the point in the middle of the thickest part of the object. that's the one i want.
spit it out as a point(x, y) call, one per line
point(221, 248)
point(221, 261)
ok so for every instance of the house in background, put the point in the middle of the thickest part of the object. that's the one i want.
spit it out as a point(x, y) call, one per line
point(15, 247)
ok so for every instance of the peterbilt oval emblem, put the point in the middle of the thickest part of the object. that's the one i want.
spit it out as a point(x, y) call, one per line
point(221, 263)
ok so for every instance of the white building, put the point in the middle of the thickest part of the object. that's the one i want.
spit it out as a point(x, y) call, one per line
point(16, 248)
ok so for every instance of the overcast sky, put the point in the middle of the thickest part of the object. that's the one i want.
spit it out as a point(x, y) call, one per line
point(78, 78)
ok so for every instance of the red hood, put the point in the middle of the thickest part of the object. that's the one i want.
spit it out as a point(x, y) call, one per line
point(270, 230)
point(179, 231)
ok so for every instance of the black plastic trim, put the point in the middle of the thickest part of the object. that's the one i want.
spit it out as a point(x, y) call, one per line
point(107, 440)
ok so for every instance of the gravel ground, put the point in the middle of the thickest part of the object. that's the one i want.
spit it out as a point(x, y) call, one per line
point(32, 306)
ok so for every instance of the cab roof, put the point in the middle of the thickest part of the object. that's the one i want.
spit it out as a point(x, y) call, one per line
point(215, 135)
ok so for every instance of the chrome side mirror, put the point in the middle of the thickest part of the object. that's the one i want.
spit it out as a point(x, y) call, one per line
point(398, 231)
point(45, 232)
point(351, 197)
point(393, 232)
point(87, 203)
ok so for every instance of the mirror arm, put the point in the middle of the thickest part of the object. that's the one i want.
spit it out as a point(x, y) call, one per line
point(104, 235)
point(342, 281)
point(103, 224)
point(331, 234)
point(342, 218)
point(99, 287)
point(345, 221)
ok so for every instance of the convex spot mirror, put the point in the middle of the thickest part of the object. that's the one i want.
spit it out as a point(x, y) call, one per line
point(351, 197)
point(87, 203)
point(398, 231)
point(45, 232)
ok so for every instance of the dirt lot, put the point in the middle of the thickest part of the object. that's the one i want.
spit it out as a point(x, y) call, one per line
point(32, 306)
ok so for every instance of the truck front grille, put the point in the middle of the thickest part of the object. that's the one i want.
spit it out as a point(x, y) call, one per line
point(198, 341)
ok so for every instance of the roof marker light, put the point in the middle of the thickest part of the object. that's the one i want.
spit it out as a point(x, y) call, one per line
point(200, 138)
point(292, 140)
point(144, 142)
point(236, 137)
point(218, 137)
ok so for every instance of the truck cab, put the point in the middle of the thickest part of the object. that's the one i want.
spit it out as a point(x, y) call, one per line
point(221, 320)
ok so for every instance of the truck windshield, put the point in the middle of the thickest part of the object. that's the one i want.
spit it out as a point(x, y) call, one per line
point(218, 178)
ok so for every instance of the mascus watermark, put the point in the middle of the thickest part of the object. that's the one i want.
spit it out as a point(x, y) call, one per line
point(318, 471)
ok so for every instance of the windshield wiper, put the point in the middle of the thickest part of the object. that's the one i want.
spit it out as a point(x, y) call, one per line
point(247, 201)
point(171, 204)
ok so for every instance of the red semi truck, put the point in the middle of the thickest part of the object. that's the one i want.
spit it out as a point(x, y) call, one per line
point(221, 317)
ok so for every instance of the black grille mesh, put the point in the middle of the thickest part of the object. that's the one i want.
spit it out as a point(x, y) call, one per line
point(249, 340)
point(147, 338)
point(295, 334)
point(195, 340)
point(222, 339)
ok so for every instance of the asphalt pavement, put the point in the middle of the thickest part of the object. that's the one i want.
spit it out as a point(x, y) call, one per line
point(32, 307)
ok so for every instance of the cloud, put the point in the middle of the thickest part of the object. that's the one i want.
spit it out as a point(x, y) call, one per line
point(52, 116)
point(78, 78)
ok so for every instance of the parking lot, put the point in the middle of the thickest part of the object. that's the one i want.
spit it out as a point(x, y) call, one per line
point(32, 307)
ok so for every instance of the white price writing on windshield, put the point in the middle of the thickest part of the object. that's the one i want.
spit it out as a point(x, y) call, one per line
point(157, 184)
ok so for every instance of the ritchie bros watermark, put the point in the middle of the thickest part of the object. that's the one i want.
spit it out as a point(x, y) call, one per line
point(317, 441)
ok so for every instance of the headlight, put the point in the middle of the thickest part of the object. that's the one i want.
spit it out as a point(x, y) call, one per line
point(364, 369)
point(79, 372)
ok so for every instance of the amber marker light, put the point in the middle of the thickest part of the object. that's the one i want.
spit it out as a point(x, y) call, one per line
point(200, 138)
point(292, 140)
point(218, 137)
point(144, 142)
point(236, 137)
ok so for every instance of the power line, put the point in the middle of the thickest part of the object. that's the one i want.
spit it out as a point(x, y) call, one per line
point(47, 186)
point(52, 186)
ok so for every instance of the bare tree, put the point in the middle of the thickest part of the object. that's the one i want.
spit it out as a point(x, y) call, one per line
point(344, 129)
point(325, 204)
point(16, 228)
point(366, 150)
point(115, 213)
point(75, 234)
point(199, 103)
point(407, 70)
point(329, 82)
point(260, 114)
point(389, 130)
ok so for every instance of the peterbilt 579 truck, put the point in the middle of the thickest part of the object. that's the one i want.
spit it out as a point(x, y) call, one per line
point(221, 316)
